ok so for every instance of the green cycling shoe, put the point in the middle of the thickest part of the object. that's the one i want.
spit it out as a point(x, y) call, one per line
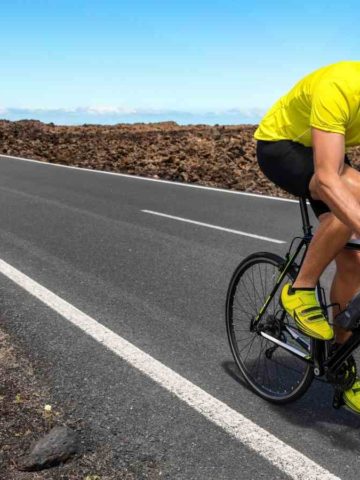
point(351, 397)
point(303, 306)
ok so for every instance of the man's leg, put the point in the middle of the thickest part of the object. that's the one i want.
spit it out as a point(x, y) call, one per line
point(329, 238)
point(346, 283)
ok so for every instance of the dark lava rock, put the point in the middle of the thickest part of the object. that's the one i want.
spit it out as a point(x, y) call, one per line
point(55, 447)
point(220, 156)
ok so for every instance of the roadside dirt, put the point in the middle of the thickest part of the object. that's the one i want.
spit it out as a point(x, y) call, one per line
point(23, 420)
point(219, 156)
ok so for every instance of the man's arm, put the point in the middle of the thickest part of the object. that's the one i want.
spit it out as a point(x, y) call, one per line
point(329, 152)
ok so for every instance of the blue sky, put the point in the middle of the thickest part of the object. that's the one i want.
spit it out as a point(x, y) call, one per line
point(214, 61)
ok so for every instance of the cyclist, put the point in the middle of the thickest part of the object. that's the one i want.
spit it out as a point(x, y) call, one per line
point(301, 147)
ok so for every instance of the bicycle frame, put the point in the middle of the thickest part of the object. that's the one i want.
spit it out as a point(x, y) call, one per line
point(319, 359)
point(290, 259)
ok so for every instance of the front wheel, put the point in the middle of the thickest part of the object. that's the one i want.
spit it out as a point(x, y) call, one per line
point(273, 372)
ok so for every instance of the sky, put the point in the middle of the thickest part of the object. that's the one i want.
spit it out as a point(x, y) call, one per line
point(214, 61)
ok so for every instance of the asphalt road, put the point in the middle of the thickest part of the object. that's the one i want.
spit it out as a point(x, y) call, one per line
point(161, 284)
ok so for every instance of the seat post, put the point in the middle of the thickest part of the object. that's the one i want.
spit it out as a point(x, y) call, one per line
point(305, 218)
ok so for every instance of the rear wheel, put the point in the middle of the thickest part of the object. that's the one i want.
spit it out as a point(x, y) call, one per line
point(273, 372)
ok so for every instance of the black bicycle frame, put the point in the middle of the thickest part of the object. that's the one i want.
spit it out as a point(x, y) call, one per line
point(305, 240)
point(343, 352)
point(319, 358)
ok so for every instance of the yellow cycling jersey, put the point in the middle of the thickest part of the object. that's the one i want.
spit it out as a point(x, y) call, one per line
point(327, 99)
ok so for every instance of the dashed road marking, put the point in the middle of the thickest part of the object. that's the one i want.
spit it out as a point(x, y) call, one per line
point(216, 227)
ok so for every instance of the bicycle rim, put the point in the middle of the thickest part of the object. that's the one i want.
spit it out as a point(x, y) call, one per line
point(272, 371)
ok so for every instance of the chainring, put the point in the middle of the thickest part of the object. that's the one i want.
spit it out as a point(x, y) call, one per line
point(345, 376)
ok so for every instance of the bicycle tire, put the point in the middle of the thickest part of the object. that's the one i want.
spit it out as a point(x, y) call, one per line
point(301, 382)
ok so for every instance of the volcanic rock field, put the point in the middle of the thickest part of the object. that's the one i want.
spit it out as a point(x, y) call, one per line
point(218, 156)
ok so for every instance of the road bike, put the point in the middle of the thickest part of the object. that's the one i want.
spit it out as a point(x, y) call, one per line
point(277, 360)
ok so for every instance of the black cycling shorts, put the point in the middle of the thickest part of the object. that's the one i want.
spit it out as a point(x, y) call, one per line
point(290, 166)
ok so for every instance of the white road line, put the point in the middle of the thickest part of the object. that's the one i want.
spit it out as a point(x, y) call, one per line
point(137, 177)
point(216, 227)
point(282, 456)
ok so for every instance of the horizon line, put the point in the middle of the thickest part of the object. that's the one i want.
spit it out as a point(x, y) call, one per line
point(116, 115)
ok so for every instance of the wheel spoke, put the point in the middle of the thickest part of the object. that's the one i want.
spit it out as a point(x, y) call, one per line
point(274, 372)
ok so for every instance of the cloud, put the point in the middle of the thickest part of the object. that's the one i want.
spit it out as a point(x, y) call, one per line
point(246, 112)
point(91, 110)
point(107, 114)
point(107, 110)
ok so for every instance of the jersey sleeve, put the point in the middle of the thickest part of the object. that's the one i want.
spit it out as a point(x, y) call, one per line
point(330, 109)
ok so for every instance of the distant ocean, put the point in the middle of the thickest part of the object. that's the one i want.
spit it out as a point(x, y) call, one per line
point(85, 116)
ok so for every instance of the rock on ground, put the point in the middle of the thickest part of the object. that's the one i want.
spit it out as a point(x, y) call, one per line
point(55, 447)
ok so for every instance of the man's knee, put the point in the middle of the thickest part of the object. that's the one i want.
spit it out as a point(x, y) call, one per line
point(351, 178)
point(348, 265)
